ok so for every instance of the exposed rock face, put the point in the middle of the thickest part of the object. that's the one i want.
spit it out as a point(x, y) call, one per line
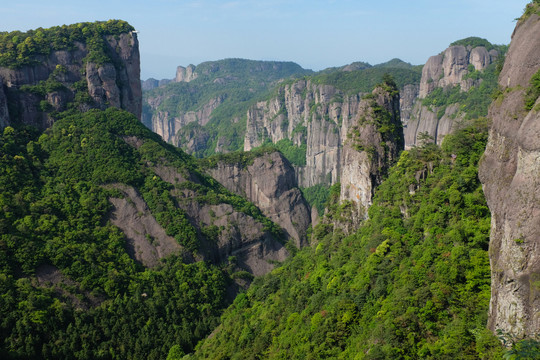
point(240, 235)
point(510, 173)
point(147, 241)
point(185, 74)
point(368, 153)
point(407, 100)
point(445, 70)
point(167, 126)
point(425, 120)
point(111, 84)
point(234, 232)
point(4, 111)
point(317, 115)
point(271, 185)
point(322, 117)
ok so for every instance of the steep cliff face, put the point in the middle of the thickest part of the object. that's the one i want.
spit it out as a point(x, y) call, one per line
point(167, 125)
point(211, 98)
point(373, 143)
point(342, 133)
point(449, 68)
point(269, 183)
point(314, 114)
point(509, 172)
point(458, 66)
point(54, 82)
point(146, 240)
point(4, 110)
point(319, 116)
point(407, 99)
point(222, 229)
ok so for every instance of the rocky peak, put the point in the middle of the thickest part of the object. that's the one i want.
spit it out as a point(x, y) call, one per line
point(448, 68)
point(509, 173)
point(186, 74)
point(447, 72)
point(373, 143)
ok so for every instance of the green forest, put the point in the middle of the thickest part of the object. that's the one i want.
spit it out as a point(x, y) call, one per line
point(55, 210)
point(18, 48)
point(413, 282)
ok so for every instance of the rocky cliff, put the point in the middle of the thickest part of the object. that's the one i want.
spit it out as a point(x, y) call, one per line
point(226, 225)
point(373, 143)
point(167, 125)
point(209, 101)
point(342, 135)
point(436, 109)
point(306, 113)
point(509, 172)
point(449, 68)
point(74, 77)
point(269, 182)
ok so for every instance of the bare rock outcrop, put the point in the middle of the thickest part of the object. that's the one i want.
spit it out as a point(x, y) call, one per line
point(509, 173)
point(325, 119)
point(407, 99)
point(4, 110)
point(115, 83)
point(222, 230)
point(146, 241)
point(186, 74)
point(448, 68)
point(369, 150)
point(238, 235)
point(167, 126)
point(269, 182)
point(445, 71)
point(306, 113)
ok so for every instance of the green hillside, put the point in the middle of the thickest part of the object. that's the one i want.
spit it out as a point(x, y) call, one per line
point(55, 196)
point(412, 283)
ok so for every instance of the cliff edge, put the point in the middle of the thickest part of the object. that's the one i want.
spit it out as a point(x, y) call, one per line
point(72, 67)
point(509, 173)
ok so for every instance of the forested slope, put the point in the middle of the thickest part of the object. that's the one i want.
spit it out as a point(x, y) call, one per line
point(411, 283)
point(69, 287)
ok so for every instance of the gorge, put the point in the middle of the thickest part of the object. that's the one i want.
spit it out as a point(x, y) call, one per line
point(255, 209)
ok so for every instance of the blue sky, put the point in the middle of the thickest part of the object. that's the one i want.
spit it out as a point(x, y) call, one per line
point(314, 33)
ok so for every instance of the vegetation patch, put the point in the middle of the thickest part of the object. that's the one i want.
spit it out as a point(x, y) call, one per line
point(533, 91)
point(317, 196)
point(475, 102)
